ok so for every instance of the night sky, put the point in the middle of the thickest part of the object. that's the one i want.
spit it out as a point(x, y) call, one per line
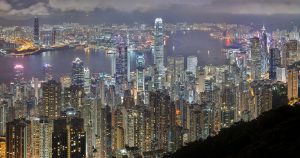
point(281, 12)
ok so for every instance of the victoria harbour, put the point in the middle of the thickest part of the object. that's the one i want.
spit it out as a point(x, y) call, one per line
point(179, 44)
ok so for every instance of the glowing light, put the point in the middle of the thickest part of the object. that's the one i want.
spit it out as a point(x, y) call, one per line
point(47, 65)
point(19, 66)
point(228, 42)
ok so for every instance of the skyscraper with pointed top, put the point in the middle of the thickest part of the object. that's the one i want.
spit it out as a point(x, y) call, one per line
point(36, 31)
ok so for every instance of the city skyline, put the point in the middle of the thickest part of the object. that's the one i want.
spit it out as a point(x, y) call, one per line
point(139, 89)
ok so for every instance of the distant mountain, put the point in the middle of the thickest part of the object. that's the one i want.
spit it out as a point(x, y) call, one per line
point(274, 134)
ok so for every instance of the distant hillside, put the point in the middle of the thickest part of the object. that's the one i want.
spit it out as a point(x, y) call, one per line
point(274, 134)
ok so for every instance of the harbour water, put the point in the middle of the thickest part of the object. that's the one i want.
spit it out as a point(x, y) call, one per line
point(179, 44)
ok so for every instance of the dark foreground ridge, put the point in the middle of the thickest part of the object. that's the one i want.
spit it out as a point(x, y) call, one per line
point(274, 134)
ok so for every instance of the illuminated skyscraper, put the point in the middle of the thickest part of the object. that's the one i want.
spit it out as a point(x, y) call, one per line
point(293, 83)
point(256, 58)
point(159, 49)
point(228, 100)
point(36, 31)
point(121, 64)
point(292, 52)
point(262, 96)
point(77, 73)
point(275, 61)
point(51, 97)
point(45, 141)
point(87, 80)
point(264, 40)
point(68, 137)
point(140, 72)
point(192, 63)
point(48, 69)
point(179, 69)
point(18, 138)
point(73, 96)
point(19, 74)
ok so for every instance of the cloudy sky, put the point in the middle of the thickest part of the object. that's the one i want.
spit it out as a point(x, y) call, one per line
point(144, 10)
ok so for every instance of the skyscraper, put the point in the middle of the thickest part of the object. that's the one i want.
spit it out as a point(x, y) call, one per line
point(36, 31)
point(140, 66)
point(87, 80)
point(48, 72)
point(179, 69)
point(192, 63)
point(256, 58)
point(275, 61)
point(78, 73)
point(292, 52)
point(293, 83)
point(51, 99)
point(121, 64)
point(68, 137)
point(18, 139)
point(159, 48)
point(19, 74)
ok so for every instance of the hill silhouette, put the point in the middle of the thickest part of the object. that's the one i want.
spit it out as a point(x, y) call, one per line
point(275, 133)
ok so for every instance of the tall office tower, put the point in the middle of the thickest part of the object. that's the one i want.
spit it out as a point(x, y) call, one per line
point(179, 69)
point(41, 142)
point(192, 63)
point(171, 69)
point(281, 74)
point(68, 137)
point(121, 64)
point(87, 80)
point(264, 40)
point(200, 79)
point(293, 81)
point(4, 107)
point(256, 58)
point(45, 141)
point(275, 61)
point(228, 100)
point(88, 114)
point(54, 33)
point(73, 96)
point(159, 45)
point(19, 74)
point(140, 76)
point(118, 130)
point(106, 132)
point(134, 131)
point(66, 81)
point(207, 117)
point(113, 64)
point(51, 97)
point(159, 104)
point(78, 73)
point(18, 139)
point(36, 31)
point(48, 72)
point(292, 52)
point(262, 96)
point(195, 122)
point(35, 138)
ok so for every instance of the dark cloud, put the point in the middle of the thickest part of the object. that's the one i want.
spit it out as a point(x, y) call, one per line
point(145, 10)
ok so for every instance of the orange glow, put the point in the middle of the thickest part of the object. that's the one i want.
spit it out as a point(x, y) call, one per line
point(178, 112)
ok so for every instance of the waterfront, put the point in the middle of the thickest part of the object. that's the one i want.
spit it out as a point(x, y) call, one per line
point(185, 44)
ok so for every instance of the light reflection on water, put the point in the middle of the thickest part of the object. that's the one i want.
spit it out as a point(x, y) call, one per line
point(191, 43)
